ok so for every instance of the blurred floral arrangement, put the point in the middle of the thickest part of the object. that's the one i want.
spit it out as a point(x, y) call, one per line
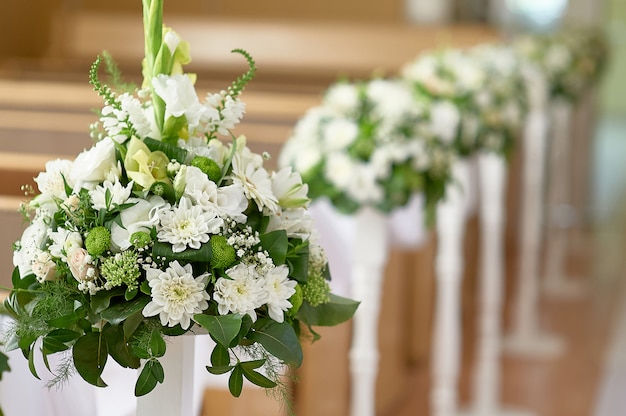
point(368, 144)
point(160, 229)
point(570, 60)
point(478, 96)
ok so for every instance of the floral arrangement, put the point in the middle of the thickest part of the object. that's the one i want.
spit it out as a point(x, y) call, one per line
point(160, 229)
point(570, 60)
point(502, 104)
point(367, 144)
point(471, 93)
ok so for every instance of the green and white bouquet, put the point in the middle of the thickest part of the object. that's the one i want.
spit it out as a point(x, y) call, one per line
point(571, 60)
point(468, 103)
point(367, 144)
point(161, 229)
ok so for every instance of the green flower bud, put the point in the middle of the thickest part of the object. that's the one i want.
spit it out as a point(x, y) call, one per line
point(208, 166)
point(296, 301)
point(98, 241)
point(222, 253)
point(140, 239)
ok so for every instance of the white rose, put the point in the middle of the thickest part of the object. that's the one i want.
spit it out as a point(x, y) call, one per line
point(80, 265)
point(95, 164)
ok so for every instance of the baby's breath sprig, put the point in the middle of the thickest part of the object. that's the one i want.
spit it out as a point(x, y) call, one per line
point(103, 90)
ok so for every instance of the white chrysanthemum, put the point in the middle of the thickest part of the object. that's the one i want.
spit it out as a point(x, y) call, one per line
point(118, 194)
point(363, 186)
point(176, 294)
point(340, 169)
point(289, 189)
point(224, 201)
point(392, 100)
point(303, 156)
point(342, 98)
point(279, 289)
point(32, 238)
point(63, 242)
point(255, 181)
point(187, 225)
point(242, 293)
point(444, 120)
point(339, 133)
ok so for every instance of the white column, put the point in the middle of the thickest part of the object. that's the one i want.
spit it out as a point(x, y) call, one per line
point(175, 395)
point(449, 271)
point(368, 267)
point(486, 382)
point(526, 338)
point(561, 213)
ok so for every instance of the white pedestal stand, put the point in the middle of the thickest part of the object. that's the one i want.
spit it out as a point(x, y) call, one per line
point(486, 383)
point(368, 266)
point(175, 395)
point(560, 211)
point(526, 338)
point(449, 271)
point(428, 11)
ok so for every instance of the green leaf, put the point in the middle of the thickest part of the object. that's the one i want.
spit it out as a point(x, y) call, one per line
point(172, 151)
point(219, 369)
point(279, 339)
point(102, 300)
point(157, 371)
point(57, 340)
point(146, 382)
point(164, 250)
point(119, 312)
point(235, 381)
point(4, 365)
point(255, 377)
point(129, 294)
point(31, 363)
point(90, 355)
point(334, 312)
point(157, 344)
point(131, 324)
point(298, 261)
point(220, 356)
point(118, 348)
point(66, 321)
point(276, 244)
point(223, 328)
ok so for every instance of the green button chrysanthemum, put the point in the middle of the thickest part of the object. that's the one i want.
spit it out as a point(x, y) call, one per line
point(98, 241)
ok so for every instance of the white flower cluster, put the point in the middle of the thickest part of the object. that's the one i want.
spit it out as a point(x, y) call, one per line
point(113, 198)
point(356, 139)
point(569, 60)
